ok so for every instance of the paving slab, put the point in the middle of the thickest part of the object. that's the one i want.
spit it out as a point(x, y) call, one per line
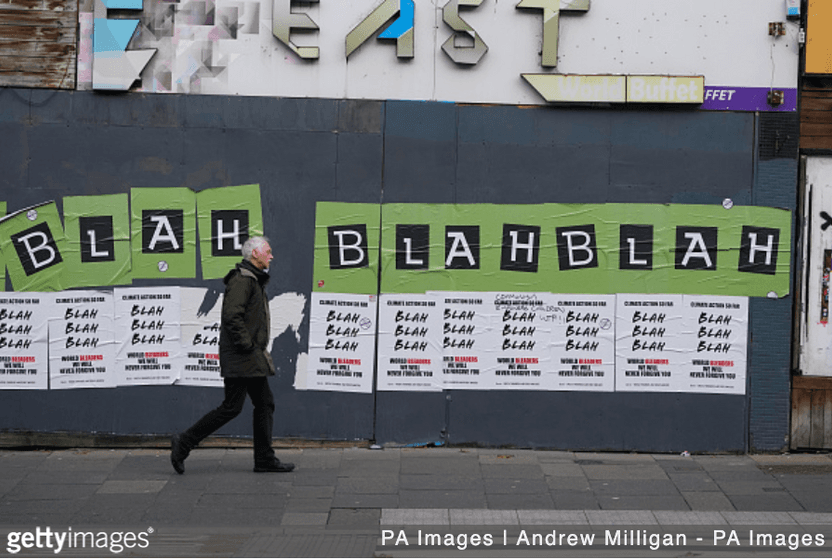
point(708, 501)
point(633, 487)
point(442, 498)
point(515, 486)
point(341, 518)
point(514, 501)
point(415, 516)
point(512, 471)
point(439, 482)
point(643, 502)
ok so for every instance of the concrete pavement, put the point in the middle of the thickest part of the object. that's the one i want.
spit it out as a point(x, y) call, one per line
point(360, 502)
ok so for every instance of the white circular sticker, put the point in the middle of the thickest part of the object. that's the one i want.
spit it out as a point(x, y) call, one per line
point(163, 266)
point(32, 214)
point(727, 203)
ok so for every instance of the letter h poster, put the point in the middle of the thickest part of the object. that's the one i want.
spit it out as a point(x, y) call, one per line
point(148, 326)
point(82, 340)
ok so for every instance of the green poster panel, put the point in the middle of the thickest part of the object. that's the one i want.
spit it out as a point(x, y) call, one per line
point(346, 248)
point(98, 240)
point(227, 217)
point(33, 244)
point(163, 230)
point(586, 248)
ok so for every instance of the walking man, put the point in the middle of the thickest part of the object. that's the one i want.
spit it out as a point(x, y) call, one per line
point(245, 363)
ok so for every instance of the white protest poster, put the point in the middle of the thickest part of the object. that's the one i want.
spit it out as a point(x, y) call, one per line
point(520, 336)
point(583, 352)
point(24, 332)
point(82, 340)
point(466, 323)
point(649, 342)
point(716, 329)
point(409, 343)
point(342, 342)
point(201, 309)
point(147, 329)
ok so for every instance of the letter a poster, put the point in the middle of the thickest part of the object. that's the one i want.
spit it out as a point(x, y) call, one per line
point(342, 338)
point(24, 319)
point(82, 340)
point(147, 320)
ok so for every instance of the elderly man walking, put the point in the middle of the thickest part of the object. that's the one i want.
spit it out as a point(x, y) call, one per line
point(245, 363)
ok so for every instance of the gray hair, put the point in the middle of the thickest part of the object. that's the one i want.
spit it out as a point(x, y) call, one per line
point(253, 243)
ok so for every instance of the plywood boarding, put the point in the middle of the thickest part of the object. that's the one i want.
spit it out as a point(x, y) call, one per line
point(38, 43)
point(816, 119)
point(811, 413)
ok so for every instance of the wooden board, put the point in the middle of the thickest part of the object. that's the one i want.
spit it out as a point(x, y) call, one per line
point(38, 43)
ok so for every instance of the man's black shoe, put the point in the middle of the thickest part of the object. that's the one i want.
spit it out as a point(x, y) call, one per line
point(274, 466)
point(178, 454)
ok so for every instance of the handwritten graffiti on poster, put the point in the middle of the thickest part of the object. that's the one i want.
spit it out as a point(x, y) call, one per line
point(716, 330)
point(148, 330)
point(201, 310)
point(24, 332)
point(409, 343)
point(342, 342)
point(466, 322)
point(649, 342)
point(584, 342)
point(522, 340)
point(82, 340)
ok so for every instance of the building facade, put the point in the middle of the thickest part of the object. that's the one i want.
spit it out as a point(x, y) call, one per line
point(564, 224)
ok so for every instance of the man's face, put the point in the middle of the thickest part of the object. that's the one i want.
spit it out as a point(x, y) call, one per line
point(261, 256)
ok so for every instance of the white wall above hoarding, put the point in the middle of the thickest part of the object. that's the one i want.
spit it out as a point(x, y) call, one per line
point(235, 53)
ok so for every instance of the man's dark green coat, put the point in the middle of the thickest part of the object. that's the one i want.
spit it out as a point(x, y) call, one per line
point(244, 336)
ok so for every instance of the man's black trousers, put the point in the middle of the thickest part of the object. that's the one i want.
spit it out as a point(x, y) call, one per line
point(236, 389)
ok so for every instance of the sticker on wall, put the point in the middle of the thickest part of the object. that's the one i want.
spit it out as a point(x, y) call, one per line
point(98, 240)
point(33, 244)
point(201, 310)
point(163, 232)
point(409, 343)
point(147, 329)
point(82, 340)
point(342, 337)
point(227, 217)
point(24, 332)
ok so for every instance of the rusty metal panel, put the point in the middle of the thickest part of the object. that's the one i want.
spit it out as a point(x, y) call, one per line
point(38, 43)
